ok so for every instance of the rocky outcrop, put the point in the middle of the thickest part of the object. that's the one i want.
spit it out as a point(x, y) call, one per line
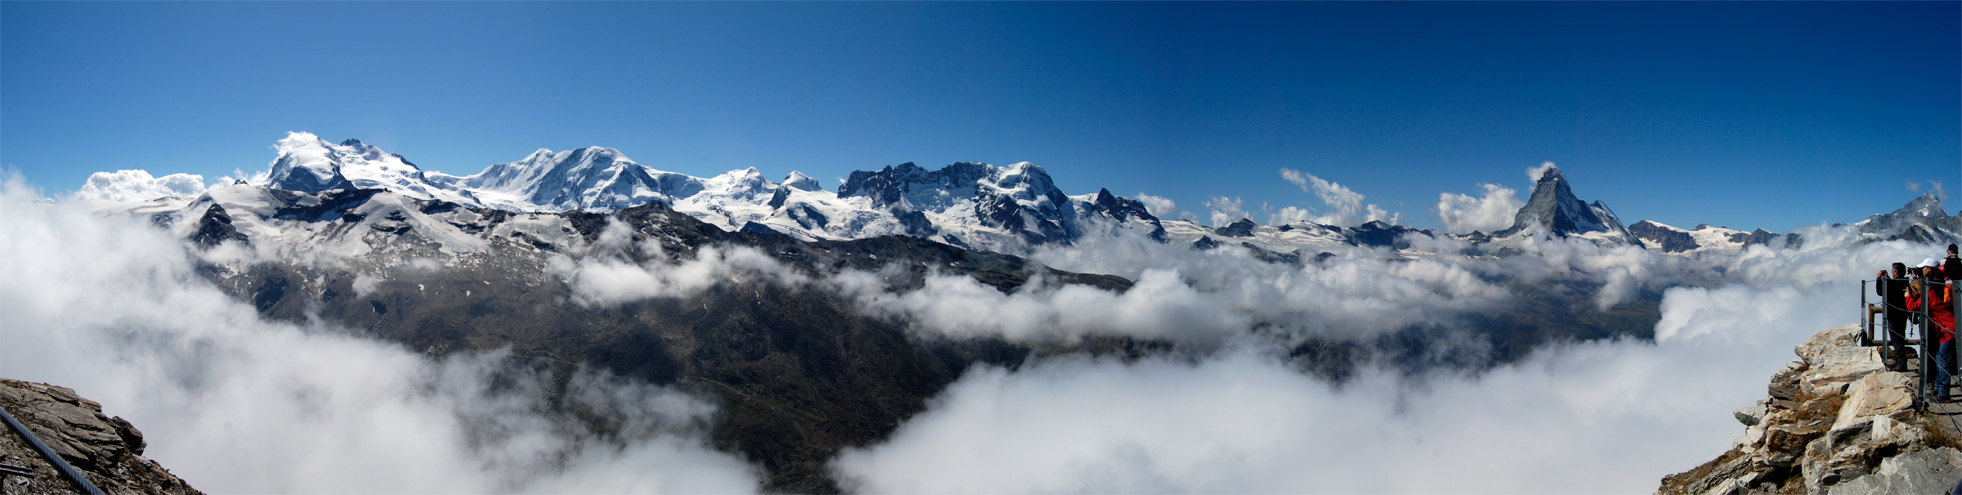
point(1834, 421)
point(107, 450)
point(1664, 238)
point(1242, 228)
point(215, 227)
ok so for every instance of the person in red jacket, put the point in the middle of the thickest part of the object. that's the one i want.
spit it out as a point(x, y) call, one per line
point(1941, 325)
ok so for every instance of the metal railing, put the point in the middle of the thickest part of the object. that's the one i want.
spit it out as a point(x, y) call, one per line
point(49, 454)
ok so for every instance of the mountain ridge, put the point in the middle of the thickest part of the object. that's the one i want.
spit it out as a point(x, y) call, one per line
point(1014, 208)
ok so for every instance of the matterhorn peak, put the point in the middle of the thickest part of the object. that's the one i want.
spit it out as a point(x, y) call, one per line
point(1545, 171)
point(1554, 208)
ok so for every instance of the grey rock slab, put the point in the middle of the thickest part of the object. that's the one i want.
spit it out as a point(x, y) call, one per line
point(1750, 416)
point(1925, 472)
point(1841, 337)
point(1843, 364)
point(1876, 394)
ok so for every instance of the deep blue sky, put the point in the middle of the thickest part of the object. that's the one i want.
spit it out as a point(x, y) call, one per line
point(1740, 114)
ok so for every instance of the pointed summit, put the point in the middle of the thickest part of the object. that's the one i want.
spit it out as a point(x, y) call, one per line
point(1554, 208)
point(1123, 210)
point(1925, 211)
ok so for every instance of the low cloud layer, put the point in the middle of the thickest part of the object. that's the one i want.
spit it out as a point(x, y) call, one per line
point(1609, 417)
point(1159, 306)
point(1602, 416)
point(607, 273)
point(113, 308)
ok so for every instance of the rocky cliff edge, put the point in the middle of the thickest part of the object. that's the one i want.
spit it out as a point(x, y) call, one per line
point(108, 450)
point(1834, 421)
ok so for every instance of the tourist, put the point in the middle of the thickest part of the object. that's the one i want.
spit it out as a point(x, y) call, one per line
point(1892, 292)
point(1940, 326)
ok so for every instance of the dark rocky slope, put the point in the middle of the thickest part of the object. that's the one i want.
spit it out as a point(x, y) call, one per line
point(798, 372)
point(107, 450)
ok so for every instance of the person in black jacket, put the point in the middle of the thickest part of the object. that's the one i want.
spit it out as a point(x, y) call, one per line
point(1952, 266)
point(1893, 297)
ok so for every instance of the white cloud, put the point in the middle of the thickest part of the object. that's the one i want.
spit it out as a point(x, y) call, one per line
point(132, 186)
point(114, 308)
point(1157, 206)
point(1290, 214)
point(1602, 416)
point(1159, 305)
point(1226, 210)
point(1463, 214)
point(1533, 174)
point(606, 273)
point(1934, 186)
point(1594, 417)
point(1347, 205)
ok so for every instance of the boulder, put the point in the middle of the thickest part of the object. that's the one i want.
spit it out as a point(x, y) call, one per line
point(1927, 471)
point(1750, 416)
point(1784, 444)
point(1813, 466)
point(1749, 442)
point(1721, 478)
point(1839, 365)
point(1841, 337)
point(1785, 385)
point(1883, 393)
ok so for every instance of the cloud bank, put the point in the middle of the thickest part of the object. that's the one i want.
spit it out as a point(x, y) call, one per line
point(1533, 174)
point(1225, 211)
point(114, 309)
point(137, 185)
point(1463, 214)
point(607, 272)
point(1609, 417)
point(1592, 417)
point(1157, 206)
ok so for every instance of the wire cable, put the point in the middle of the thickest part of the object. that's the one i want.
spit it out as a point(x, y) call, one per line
point(52, 457)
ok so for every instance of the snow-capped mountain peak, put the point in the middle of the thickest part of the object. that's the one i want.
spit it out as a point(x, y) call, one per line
point(1010, 208)
point(305, 163)
point(1554, 208)
point(799, 181)
point(587, 178)
point(1923, 209)
point(308, 163)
